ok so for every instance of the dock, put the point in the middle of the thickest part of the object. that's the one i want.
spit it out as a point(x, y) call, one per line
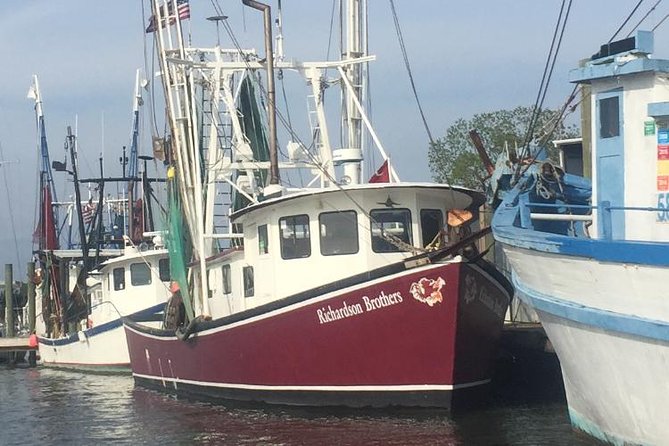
point(15, 345)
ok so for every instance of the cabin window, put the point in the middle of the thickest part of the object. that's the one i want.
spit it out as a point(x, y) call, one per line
point(395, 223)
point(119, 278)
point(295, 238)
point(338, 233)
point(263, 247)
point(431, 223)
point(140, 274)
point(609, 120)
point(227, 280)
point(164, 270)
point(247, 272)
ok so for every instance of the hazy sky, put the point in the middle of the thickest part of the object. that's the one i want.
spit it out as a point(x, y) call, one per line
point(467, 58)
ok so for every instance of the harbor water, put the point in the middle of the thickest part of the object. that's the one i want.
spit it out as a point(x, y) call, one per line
point(42, 406)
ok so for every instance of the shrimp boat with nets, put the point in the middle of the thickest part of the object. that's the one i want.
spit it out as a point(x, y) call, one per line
point(334, 292)
point(117, 266)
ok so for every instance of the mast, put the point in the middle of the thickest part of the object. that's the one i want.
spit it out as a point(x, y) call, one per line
point(132, 161)
point(70, 144)
point(48, 238)
point(352, 157)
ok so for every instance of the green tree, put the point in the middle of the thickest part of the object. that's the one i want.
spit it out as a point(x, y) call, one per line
point(453, 158)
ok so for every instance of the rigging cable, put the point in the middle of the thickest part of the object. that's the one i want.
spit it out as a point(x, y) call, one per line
point(560, 117)
point(644, 18)
point(389, 237)
point(660, 22)
point(398, 31)
point(625, 22)
point(332, 16)
point(545, 78)
point(9, 206)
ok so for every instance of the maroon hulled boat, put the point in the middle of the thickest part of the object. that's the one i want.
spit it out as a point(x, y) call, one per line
point(336, 294)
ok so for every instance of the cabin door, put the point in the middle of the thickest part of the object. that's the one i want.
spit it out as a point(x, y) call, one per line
point(610, 163)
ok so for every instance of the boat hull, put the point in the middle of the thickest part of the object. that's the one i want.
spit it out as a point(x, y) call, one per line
point(609, 325)
point(420, 337)
point(102, 348)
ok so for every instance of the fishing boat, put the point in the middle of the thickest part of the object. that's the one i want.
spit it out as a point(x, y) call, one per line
point(337, 292)
point(118, 266)
point(591, 255)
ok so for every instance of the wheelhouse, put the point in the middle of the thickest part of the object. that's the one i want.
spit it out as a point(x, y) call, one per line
point(300, 241)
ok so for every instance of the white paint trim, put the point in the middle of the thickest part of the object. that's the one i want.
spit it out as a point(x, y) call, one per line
point(368, 388)
point(298, 305)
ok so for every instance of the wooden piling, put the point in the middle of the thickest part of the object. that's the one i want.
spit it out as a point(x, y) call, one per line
point(9, 302)
point(32, 355)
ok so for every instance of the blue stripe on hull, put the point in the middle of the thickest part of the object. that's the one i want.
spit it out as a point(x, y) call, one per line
point(594, 317)
point(102, 328)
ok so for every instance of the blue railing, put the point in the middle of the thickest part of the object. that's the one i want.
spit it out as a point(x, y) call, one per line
point(605, 207)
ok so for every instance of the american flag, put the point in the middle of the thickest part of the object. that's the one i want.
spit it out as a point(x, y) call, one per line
point(183, 8)
point(167, 14)
point(88, 212)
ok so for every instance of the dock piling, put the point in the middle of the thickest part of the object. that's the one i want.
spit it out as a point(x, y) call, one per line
point(32, 354)
point(9, 302)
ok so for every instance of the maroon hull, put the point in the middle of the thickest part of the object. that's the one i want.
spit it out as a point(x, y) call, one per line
point(410, 339)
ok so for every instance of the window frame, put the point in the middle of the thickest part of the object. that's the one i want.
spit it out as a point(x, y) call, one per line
point(441, 222)
point(226, 274)
point(282, 239)
point(118, 280)
point(263, 240)
point(161, 270)
point(356, 238)
point(373, 224)
point(249, 281)
point(606, 115)
point(133, 279)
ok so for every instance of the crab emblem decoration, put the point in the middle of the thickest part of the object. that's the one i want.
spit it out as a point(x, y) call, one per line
point(428, 290)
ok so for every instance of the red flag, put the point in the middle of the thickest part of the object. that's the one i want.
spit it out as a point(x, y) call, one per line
point(382, 175)
point(45, 234)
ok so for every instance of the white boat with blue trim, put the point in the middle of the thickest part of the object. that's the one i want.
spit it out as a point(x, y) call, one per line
point(118, 266)
point(135, 283)
point(592, 256)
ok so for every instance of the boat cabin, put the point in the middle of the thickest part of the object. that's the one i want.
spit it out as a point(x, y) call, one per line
point(629, 131)
point(307, 239)
point(134, 281)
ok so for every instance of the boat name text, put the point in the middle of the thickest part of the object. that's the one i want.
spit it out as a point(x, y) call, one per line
point(329, 314)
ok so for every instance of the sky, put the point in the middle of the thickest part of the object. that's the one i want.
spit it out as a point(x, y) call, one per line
point(466, 58)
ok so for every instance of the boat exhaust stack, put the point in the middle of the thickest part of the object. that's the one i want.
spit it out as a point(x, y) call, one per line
point(271, 94)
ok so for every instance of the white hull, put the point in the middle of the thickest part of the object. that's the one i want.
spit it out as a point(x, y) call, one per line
point(609, 325)
point(107, 349)
point(104, 345)
point(611, 382)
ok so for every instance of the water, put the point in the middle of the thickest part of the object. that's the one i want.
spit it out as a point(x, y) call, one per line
point(44, 406)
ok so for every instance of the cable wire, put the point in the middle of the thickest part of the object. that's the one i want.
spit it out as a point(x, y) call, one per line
point(625, 22)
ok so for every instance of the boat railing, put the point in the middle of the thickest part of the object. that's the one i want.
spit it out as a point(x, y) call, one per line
point(605, 209)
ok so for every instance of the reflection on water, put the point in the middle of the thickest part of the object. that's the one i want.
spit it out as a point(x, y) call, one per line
point(45, 406)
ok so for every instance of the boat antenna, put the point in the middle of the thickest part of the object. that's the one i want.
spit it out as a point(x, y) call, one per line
point(271, 94)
